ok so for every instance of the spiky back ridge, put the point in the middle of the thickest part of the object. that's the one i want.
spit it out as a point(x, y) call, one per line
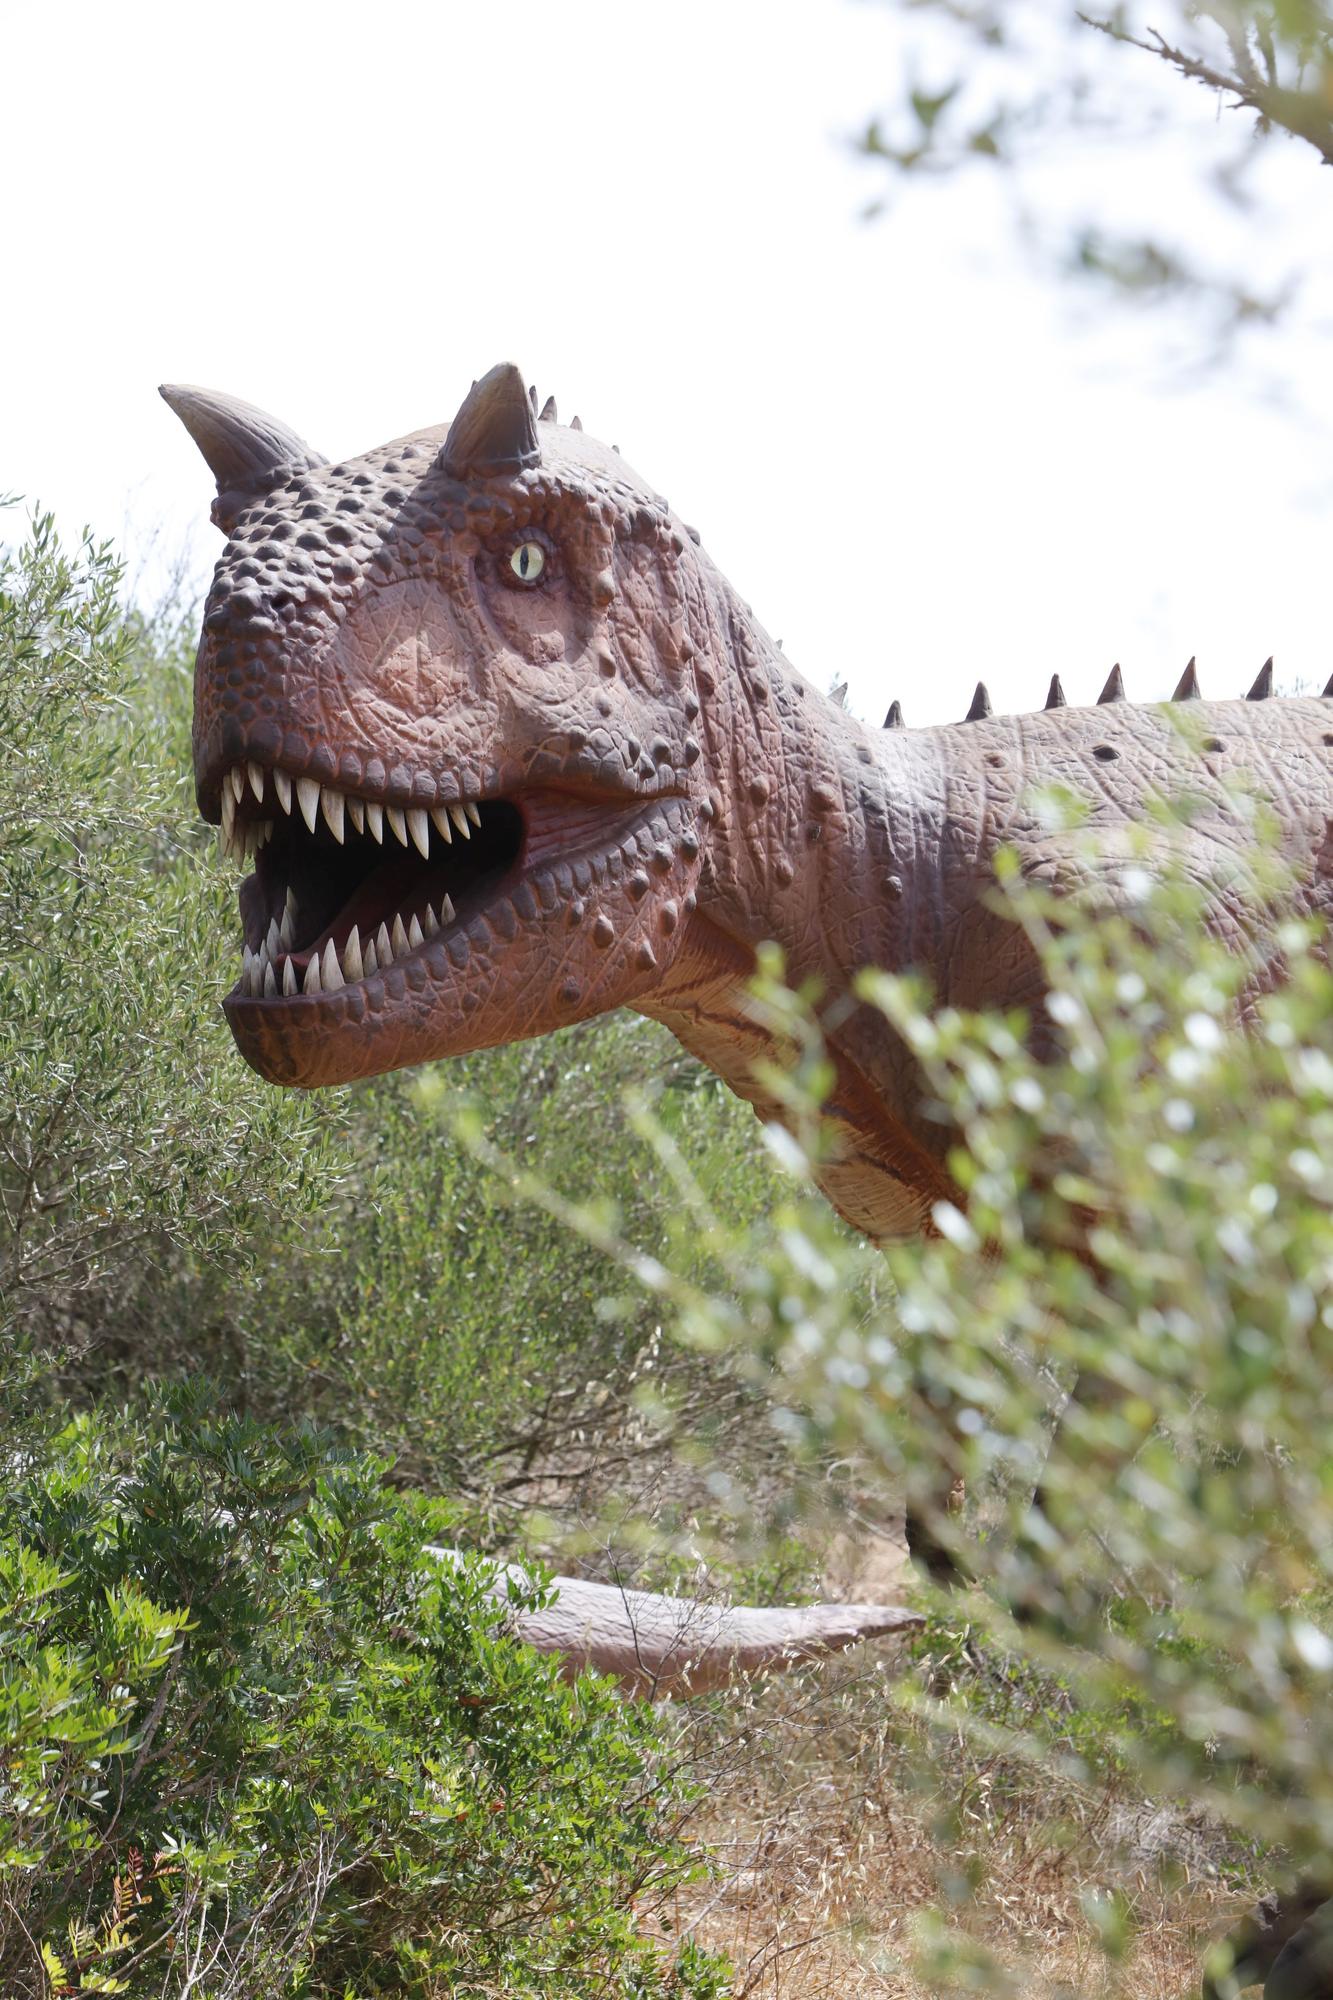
point(1187, 688)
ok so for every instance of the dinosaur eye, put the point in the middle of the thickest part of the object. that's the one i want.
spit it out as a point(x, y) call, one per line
point(528, 561)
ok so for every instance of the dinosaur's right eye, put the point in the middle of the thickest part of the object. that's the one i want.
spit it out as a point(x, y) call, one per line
point(528, 561)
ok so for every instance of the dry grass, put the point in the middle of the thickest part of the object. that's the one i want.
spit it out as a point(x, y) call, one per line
point(840, 1827)
point(837, 1830)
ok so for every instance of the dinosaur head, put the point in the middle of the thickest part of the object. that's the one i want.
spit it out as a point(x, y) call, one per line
point(446, 700)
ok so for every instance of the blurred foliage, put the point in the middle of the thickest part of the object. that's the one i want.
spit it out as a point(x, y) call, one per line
point(258, 1740)
point(1120, 1338)
point(1006, 84)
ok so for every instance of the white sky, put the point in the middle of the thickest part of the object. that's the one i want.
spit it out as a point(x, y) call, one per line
point(917, 462)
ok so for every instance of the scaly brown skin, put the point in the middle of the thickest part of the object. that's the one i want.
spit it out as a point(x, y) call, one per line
point(673, 793)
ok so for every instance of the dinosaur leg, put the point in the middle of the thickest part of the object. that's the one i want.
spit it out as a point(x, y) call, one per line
point(1303, 1969)
point(1286, 1938)
point(927, 1546)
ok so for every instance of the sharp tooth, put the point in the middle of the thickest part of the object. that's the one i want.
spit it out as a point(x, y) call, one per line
point(383, 947)
point(399, 936)
point(274, 940)
point(270, 982)
point(236, 779)
point(247, 968)
point(288, 977)
point(282, 785)
point(447, 910)
point(285, 932)
point(307, 797)
point(394, 815)
point(310, 984)
point(352, 964)
point(440, 821)
point(375, 819)
point(263, 833)
point(356, 812)
point(459, 818)
point(333, 972)
point(431, 921)
point(369, 963)
point(290, 904)
point(255, 773)
point(419, 828)
point(415, 934)
point(332, 803)
point(228, 815)
point(473, 812)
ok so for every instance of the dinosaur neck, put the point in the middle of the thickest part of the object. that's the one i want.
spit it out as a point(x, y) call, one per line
point(827, 839)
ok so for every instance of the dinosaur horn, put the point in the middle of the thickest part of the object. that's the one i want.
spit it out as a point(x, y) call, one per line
point(894, 718)
point(495, 429)
point(1328, 689)
point(1115, 687)
point(532, 396)
point(1187, 687)
point(1055, 694)
point(1263, 682)
point(576, 423)
point(548, 415)
point(980, 708)
point(242, 447)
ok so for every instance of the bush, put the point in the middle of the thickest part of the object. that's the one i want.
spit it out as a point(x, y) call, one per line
point(1130, 1306)
point(130, 1140)
point(257, 1740)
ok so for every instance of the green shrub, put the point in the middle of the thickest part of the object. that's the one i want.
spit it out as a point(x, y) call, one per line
point(131, 1140)
point(256, 1739)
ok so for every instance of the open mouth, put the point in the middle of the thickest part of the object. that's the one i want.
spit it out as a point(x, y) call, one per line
point(344, 887)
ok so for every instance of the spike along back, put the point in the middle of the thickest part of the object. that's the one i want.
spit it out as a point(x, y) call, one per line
point(501, 749)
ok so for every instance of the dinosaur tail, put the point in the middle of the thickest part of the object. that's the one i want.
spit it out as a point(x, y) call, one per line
point(656, 1645)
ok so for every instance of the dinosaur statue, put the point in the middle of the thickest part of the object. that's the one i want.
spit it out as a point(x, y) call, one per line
point(508, 751)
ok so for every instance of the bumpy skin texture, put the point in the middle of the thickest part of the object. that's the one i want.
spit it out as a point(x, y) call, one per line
point(685, 794)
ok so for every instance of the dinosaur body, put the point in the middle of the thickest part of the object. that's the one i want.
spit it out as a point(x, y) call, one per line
point(511, 752)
